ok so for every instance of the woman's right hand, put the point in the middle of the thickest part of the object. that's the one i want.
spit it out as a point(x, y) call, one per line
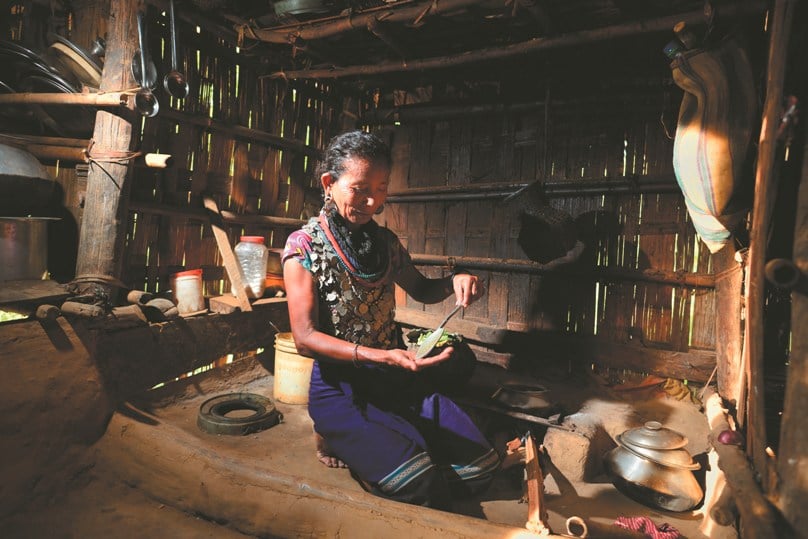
point(406, 358)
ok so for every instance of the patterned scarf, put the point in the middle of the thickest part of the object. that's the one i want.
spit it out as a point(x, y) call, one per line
point(360, 250)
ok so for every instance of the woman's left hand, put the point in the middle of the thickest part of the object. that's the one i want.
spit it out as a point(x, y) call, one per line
point(467, 289)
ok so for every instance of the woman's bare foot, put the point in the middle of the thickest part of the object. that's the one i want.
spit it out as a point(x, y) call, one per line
point(324, 456)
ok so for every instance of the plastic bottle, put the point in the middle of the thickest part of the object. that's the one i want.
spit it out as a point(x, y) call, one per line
point(187, 290)
point(252, 256)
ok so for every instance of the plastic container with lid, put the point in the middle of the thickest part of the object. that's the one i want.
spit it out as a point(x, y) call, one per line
point(187, 291)
point(252, 256)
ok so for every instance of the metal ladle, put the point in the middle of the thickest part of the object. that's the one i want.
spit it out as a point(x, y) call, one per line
point(174, 82)
point(145, 101)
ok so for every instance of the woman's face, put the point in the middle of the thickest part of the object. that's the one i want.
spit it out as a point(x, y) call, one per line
point(359, 191)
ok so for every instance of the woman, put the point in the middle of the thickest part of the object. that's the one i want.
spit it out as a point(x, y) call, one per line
point(371, 400)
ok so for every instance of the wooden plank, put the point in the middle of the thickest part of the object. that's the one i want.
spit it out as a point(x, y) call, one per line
point(228, 257)
point(31, 291)
point(729, 300)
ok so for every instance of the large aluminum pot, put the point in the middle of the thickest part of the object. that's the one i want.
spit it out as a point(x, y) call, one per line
point(25, 185)
point(651, 466)
point(23, 248)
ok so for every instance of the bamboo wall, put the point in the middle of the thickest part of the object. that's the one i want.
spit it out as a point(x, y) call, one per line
point(564, 143)
point(247, 140)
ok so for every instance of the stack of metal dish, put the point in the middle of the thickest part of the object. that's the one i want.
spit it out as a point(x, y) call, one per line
point(62, 68)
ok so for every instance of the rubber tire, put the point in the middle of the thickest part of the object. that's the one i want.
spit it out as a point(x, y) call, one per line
point(213, 412)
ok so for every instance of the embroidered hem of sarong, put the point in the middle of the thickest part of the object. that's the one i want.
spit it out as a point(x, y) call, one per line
point(484, 465)
point(406, 473)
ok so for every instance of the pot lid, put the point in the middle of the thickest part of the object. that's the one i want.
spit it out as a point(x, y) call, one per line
point(673, 458)
point(653, 435)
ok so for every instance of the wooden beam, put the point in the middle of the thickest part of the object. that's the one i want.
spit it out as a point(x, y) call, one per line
point(402, 12)
point(229, 217)
point(101, 239)
point(765, 194)
point(101, 99)
point(792, 461)
point(246, 133)
point(759, 520)
point(693, 365)
point(676, 278)
point(531, 46)
point(581, 187)
point(135, 359)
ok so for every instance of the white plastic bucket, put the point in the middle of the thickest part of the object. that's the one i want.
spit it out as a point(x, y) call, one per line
point(292, 372)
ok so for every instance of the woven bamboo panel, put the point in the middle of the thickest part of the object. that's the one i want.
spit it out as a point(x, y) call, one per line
point(221, 141)
point(577, 141)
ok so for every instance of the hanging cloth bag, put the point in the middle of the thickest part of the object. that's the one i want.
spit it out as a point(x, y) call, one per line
point(713, 135)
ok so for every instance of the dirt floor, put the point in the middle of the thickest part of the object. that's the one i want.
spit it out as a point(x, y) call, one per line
point(153, 473)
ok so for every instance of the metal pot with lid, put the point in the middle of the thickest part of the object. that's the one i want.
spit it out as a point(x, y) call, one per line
point(651, 465)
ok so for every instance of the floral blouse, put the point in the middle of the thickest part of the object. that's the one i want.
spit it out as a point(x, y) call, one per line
point(351, 308)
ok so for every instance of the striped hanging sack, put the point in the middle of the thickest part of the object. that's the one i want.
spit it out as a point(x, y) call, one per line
point(713, 134)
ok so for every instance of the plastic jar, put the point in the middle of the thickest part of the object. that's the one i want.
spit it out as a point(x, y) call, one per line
point(187, 291)
point(252, 256)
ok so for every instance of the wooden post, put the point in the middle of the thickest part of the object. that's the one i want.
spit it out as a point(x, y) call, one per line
point(765, 194)
point(105, 215)
point(792, 463)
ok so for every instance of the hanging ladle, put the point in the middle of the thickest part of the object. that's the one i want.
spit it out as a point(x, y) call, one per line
point(145, 101)
point(174, 82)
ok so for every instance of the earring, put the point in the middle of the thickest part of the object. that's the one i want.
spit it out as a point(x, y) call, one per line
point(328, 204)
point(379, 209)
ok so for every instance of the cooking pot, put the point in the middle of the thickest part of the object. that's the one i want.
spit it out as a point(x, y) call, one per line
point(530, 398)
point(651, 465)
point(25, 184)
point(24, 248)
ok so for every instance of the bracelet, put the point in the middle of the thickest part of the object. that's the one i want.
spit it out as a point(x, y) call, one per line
point(355, 359)
point(455, 271)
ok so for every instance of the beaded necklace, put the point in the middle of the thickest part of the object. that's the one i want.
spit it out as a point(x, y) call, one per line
point(367, 278)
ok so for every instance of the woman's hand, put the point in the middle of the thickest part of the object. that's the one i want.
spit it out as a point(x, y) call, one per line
point(467, 288)
point(406, 358)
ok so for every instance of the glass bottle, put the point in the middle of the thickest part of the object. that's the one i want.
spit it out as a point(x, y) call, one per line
point(252, 256)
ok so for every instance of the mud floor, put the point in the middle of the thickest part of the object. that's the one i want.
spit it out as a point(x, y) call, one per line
point(155, 472)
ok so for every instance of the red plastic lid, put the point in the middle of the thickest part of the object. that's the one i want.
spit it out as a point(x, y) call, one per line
point(252, 239)
point(188, 273)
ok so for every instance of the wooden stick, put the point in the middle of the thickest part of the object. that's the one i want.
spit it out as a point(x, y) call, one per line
point(533, 45)
point(228, 258)
point(758, 518)
point(112, 99)
point(765, 195)
point(536, 509)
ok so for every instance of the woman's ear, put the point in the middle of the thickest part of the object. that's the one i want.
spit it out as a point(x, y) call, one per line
point(326, 180)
